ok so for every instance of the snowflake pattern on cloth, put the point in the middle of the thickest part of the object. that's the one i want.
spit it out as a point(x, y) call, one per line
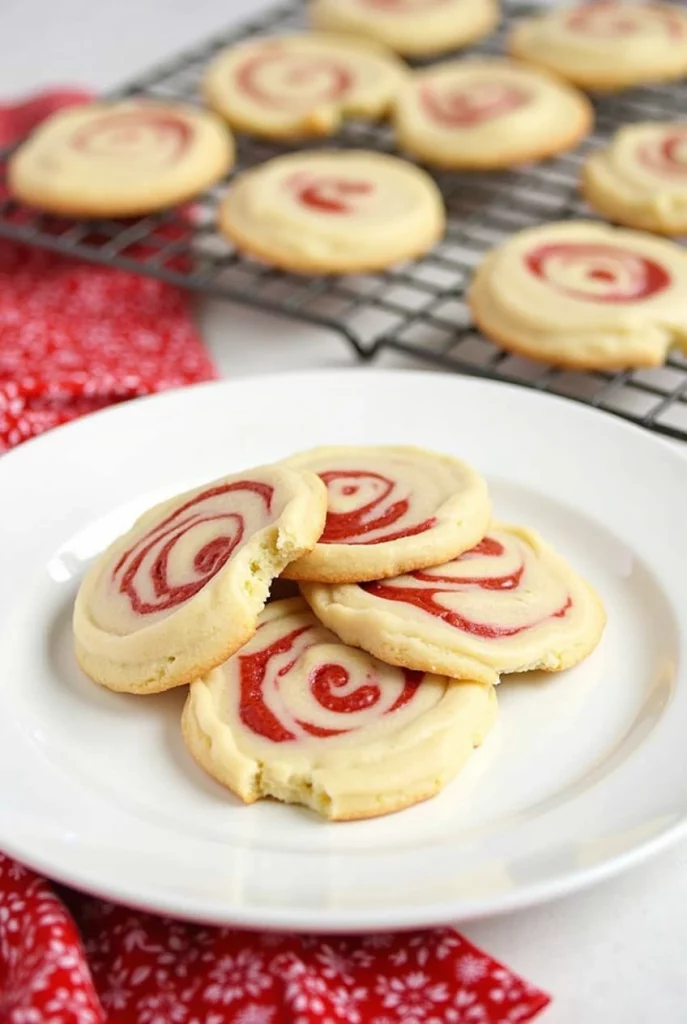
point(79, 960)
point(75, 337)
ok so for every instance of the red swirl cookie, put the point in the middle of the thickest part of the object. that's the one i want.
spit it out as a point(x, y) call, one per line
point(299, 716)
point(331, 212)
point(413, 27)
point(488, 113)
point(390, 509)
point(301, 85)
point(120, 159)
point(584, 295)
point(182, 590)
point(640, 179)
point(606, 44)
point(511, 604)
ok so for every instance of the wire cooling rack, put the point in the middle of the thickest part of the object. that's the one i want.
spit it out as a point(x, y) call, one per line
point(417, 308)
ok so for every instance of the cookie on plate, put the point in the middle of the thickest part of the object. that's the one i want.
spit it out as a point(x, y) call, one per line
point(333, 212)
point(640, 179)
point(606, 44)
point(120, 159)
point(182, 590)
point(510, 605)
point(299, 716)
point(391, 509)
point(488, 113)
point(412, 27)
point(302, 85)
point(584, 295)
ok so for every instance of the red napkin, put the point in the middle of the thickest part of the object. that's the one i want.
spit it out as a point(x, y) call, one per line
point(73, 338)
point(127, 967)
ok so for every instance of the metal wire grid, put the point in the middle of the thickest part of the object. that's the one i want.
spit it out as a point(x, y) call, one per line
point(417, 308)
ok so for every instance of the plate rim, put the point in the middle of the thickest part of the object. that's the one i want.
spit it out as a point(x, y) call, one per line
point(343, 922)
point(174, 394)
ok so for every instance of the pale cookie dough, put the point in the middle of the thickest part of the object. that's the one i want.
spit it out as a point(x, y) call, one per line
point(584, 295)
point(640, 179)
point(302, 85)
point(607, 44)
point(120, 159)
point(510, 605)
point(182, 590)
point(488, 113)
point(299, 716)
point(391, 509)
point(412, 27)
point(333, 212)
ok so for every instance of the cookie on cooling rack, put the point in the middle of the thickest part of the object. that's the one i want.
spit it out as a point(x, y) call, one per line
point(640, 179)
point(606, 44)
point(182, 590)
point(510, 605)
point(120, 159)
point(488, 113)
point(302, 85)
point(412, 27)
point(391, 509)
point(299, 716)
point(328, 212)
point(584, 295)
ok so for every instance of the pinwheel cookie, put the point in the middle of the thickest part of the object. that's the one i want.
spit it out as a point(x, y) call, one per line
point(301, 85)
point(640, 179)
point(299, 716)
point(606, 44)
point(182, 590)
point(412, 27)
point(333, 212)
point(391, 509)
point(488, 113)
point(510, 605)
point(584, 295)
point(120, 159)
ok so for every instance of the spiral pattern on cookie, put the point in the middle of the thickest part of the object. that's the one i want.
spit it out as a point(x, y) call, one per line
point(140, 136)
point(471, 105)
point(366, 507)
point(665, 154)
point(404, 6)
point(328, 193)
point(610, 19)
point(175, 559)
point(596, 272)
point(498, 589)
point(300, 686)
point(285, 79)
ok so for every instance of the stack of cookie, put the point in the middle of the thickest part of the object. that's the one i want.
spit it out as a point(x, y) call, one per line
point(367, 693)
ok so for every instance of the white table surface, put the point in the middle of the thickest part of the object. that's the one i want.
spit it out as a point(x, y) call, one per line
point(612, 955)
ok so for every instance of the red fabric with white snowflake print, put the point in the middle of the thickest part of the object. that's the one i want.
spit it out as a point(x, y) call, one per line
point(75, 337)
point(98, 963)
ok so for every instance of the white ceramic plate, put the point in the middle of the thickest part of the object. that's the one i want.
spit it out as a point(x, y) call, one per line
point(583, 775)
